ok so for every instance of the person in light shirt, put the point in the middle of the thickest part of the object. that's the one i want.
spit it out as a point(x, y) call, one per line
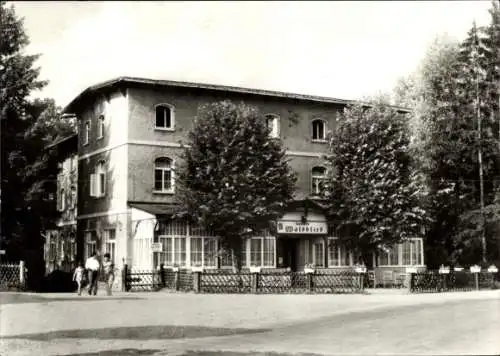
point(92, 265)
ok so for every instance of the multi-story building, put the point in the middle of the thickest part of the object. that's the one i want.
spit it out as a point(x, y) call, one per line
point(131, 132)
point(60, 243)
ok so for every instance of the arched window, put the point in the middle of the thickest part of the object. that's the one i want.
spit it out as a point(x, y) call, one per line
point(319, 129)
point(100, 126)
point(318, 177)
point(164, 175)
point(273, 125)
point(86, 133)
point(165, 119)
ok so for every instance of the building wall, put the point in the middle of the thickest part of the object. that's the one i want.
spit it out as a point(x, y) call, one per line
point(109, 211)
point(60, 243)
point(295, 131)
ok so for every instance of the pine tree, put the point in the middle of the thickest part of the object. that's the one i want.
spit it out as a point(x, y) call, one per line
point(235, 180)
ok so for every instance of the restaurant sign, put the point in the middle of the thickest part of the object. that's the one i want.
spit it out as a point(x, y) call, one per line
point(296, 227)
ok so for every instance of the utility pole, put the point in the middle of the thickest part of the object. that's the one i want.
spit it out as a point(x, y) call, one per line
point(480, 150)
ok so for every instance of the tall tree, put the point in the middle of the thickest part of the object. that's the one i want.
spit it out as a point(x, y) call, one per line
point(28, 172)
point(235, 180)
point(374, 194)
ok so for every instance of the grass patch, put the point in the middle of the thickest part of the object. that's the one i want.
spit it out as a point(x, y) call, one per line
point(137, 333)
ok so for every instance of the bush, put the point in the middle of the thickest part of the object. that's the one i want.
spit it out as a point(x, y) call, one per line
point(59, 282)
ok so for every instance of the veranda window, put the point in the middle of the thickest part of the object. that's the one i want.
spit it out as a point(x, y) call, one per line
point(262, 251)
point(408, 253)
point(174, 251)
point(339, 256)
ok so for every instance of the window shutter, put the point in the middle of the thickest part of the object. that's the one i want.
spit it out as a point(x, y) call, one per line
point(92, 185)
point(59, 199)
point(105, 180)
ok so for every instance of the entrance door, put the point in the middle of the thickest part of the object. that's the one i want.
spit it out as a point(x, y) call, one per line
point(290, 247)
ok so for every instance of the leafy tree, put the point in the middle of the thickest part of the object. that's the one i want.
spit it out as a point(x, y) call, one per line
point(443, 94)
point(28, 172)
point(235, 180)
point(374, 195)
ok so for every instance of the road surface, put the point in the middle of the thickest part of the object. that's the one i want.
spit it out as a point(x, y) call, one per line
point(173, 324)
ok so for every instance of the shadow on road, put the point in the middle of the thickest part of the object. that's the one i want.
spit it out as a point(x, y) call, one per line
point(136, 352)
point(137, 333)
point(19, 298)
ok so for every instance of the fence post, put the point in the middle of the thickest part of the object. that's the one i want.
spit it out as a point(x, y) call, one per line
point(162, 275)
point(196, 281)
point(22, 280)
point(124, 278)
point(411, 276)
point(255, 282)
point(176, 278)
point(476, 278)
point(309, 279)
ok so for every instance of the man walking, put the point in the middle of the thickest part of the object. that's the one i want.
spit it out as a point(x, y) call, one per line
point(92, 266)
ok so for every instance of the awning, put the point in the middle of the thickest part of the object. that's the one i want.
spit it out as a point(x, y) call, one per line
point(155, 209)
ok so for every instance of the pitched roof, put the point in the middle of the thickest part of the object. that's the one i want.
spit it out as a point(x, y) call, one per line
point(233, 89)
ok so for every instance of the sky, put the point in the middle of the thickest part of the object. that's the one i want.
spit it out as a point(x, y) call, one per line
point(346, 50)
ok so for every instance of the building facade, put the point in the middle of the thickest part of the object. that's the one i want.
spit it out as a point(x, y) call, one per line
point(60, 243)
point(131, 134)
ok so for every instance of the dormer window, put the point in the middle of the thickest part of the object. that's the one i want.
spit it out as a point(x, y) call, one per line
point(319, 130)
point(273, 125)
point(164, 117)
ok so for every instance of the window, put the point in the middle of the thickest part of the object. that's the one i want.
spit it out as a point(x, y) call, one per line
point(164, 177)
point(203, 252)
point(410, 252)
point(256, 252)
point(273, 122)
point(319, 130)
point(318, 178)
point(338, 256)
point(262, 252)
point(100, 127)
point(227, 256)
point(333, 255)
point(174, 251)
point(109, 238)
point(90, 244)
point(319, 254)
point(73, 198)
point(86, 133)
point(61, 200)
point(98, 181)
point(164, 117)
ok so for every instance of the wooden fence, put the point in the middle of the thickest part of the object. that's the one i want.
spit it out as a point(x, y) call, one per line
point(13, 276)
point(226, 281)
point(454, 281)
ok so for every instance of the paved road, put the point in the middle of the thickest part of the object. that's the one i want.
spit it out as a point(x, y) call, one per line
point(450, 323)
